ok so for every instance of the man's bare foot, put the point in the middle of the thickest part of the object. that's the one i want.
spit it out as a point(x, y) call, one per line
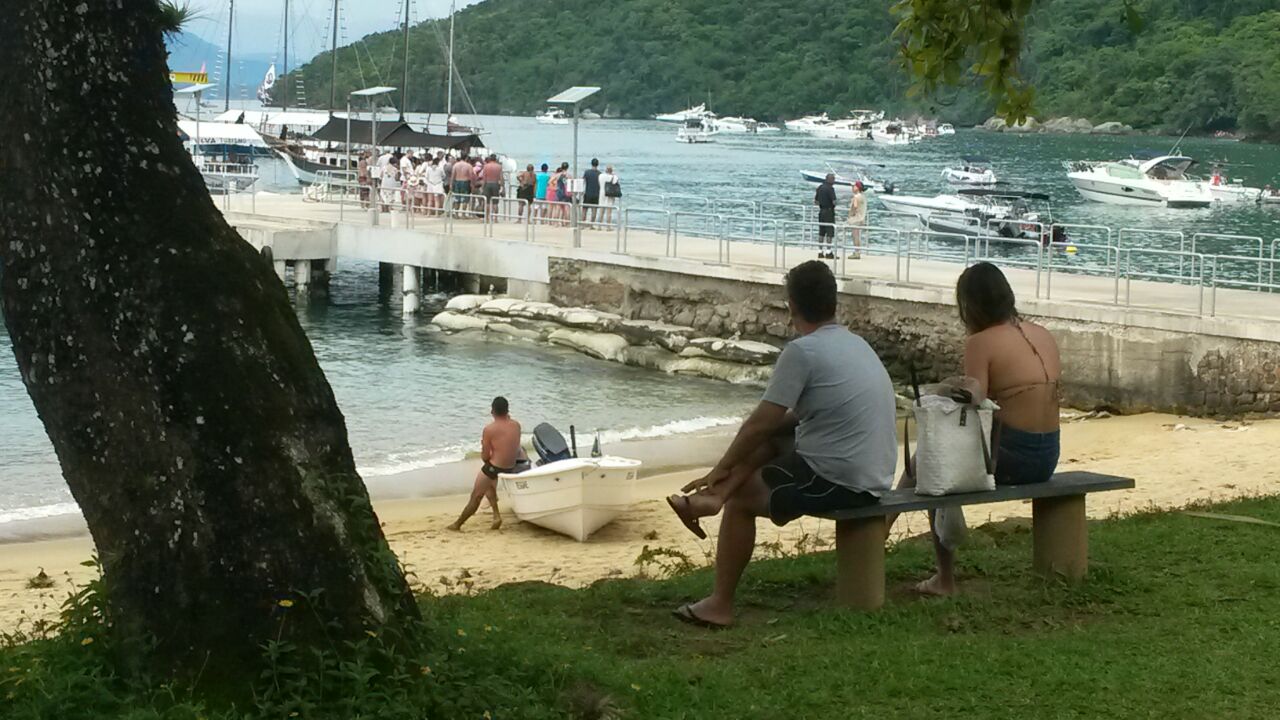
point(497, 523)
point(456, 527)
point(936, 587)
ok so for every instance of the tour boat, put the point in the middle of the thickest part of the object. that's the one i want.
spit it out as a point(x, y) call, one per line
point(695, 130)
point(574, 497)
point(697, 112)
point(1160, 181)
point(226, 174)
point(553, 116)
point(974, 171)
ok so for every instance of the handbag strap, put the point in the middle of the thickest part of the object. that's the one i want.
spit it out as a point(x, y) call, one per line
point(986, 449)
point(906, 448)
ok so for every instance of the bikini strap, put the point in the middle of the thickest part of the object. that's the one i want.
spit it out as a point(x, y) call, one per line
point(1043, 367)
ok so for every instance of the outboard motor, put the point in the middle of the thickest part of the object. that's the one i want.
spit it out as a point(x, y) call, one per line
point(550, 444)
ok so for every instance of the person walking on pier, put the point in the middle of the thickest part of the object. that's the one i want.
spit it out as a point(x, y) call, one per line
point(591, 193)
point(825, 199)
point(857, 218)
point(500, 450)
point(526, 192)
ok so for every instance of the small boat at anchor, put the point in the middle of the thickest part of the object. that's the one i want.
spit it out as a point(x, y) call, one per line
point(974, 170)
point(552, 116)
point(696, 130)
point(847, 173)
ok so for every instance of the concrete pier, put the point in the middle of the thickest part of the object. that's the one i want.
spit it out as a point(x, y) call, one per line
point(412, 291)
point(1129, 343)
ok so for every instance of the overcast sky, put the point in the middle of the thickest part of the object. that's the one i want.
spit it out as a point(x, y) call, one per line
point(258, 23)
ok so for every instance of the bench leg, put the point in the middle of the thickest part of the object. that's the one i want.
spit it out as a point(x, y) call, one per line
point(860, 563)
point(1060, 537)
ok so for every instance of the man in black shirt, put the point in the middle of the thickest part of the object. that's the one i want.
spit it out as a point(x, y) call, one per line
point(591, 192)
point(825, 199)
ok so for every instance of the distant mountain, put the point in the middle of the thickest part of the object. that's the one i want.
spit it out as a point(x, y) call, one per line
point(188, 51)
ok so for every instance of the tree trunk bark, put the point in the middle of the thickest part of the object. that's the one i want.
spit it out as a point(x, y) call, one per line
point(191, 419)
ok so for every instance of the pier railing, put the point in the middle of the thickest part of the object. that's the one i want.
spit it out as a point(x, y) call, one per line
point(691, 227)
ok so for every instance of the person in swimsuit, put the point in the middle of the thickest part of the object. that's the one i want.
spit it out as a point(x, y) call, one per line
point(500, 450)
point(1016, 363)
point(528, 182)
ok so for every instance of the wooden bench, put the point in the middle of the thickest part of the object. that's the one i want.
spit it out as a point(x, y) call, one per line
point(1060, 535)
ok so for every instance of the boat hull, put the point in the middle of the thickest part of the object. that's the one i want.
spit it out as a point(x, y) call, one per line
point(1140, 193)
point(574, 497)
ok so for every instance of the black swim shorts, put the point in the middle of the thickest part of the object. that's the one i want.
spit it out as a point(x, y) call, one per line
point(796, 490)
point(492, 472)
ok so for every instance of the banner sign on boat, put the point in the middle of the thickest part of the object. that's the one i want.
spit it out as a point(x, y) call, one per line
point(189, 77)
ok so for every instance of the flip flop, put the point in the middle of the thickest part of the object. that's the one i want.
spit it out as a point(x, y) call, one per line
point(688, 520)
point(686, 615)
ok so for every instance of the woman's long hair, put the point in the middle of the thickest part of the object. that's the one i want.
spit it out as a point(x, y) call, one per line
point(984, 298)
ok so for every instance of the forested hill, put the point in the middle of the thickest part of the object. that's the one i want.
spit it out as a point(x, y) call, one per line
point(1208, 64)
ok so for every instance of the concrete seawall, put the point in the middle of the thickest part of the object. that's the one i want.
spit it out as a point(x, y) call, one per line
point(1168, 363)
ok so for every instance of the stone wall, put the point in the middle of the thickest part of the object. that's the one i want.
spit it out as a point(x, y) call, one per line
point(1106, 365)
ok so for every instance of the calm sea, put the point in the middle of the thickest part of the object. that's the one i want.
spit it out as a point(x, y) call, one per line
point(413, 398)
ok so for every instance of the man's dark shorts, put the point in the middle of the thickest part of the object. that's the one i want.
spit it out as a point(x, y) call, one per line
point(492, 190)
point(492, 472)
point(590, 199)
point(796, 490)
point(461, 187)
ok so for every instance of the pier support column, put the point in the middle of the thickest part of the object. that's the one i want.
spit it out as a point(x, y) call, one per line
point(386, 282)
point(281, 267)
point(412, 276)
point(320, 277)
point(302, 276)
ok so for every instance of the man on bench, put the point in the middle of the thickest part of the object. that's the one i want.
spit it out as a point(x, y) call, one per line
point(821, 440)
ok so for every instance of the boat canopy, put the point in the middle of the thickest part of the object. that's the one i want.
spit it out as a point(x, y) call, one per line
point(1177, 164)
point(221, 133)
point(988, 192)
point(393, 133)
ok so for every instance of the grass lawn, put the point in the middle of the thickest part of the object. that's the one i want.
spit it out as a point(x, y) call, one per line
point(1179, 618)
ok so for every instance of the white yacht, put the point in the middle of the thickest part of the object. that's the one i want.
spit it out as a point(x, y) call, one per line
point(807, 123)
point(946, 129)
point(764, 127)
point(696, 130)
point(734, 124)
point(922, 207)
point(1160, 181)
point(974, 170)
point(552, 116)
point(697, 112)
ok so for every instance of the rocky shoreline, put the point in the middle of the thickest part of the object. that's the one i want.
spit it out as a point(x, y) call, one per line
point(676, 349)
point(1058, 126)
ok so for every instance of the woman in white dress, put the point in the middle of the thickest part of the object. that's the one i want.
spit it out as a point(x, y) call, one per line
point(610, 192)
point(390, 186)
point(434, 178)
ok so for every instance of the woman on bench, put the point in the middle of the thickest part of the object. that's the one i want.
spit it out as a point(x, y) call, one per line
point(1015, 362)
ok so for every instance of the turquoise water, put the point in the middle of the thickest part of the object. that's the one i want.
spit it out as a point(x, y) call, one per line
point(413, 398)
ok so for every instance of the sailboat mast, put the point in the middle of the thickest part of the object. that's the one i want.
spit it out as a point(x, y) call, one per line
point(404, 88)
point(285, 77)
point(231, 23)
point(453, 9)
point(333, 71)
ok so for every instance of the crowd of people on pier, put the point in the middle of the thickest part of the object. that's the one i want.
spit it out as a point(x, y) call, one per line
point(479, 187)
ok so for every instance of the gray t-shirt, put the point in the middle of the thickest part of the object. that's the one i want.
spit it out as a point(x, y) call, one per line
point(842, 394)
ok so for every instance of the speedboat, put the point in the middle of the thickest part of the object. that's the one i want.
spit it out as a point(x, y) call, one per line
point(891, 132)
point(1159, 181)
point(553, 116)
point(571, 495)
point(974, 171)
point(922, 207)
point(764, 127)
point(1231, 191)
point(696, 130)
point(998, 214)
point(847, 173)
point(733, 124)
point(1269, 196)
point(946, 129)
point(697, 112)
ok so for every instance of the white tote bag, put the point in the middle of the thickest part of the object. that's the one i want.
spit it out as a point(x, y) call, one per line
point(953, 446)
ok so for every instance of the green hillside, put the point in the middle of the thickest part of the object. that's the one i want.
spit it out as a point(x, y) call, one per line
point(1204, 63)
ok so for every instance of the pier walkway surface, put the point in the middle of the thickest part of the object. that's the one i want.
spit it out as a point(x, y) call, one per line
point(1175, 290)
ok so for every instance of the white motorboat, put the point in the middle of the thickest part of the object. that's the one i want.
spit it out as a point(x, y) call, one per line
point(891, 132)
point(552, 116)
point(845, 129)
point(733, 124)
point(998, 215)
point(1228, 191)
point(589, 115)
point(764, 127)
point(807, 123)
point(847, 173)
point(697, 112)
point(1160, 181)
point(974, 170)
point(1269, 196)
point(226, 174)
point(946, 129)
point(574, 497)
point(922, 207)
point(696, 130)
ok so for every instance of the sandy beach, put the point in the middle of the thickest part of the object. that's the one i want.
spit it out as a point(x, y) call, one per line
point(1175, 461)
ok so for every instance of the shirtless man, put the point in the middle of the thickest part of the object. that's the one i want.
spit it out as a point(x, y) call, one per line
point(500, 450)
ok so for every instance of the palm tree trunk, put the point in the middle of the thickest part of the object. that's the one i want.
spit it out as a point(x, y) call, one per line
point(191, 419)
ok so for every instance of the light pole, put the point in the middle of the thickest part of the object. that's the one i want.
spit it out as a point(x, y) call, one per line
point(195, 91)
point(574, 97)
point(372, 94)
